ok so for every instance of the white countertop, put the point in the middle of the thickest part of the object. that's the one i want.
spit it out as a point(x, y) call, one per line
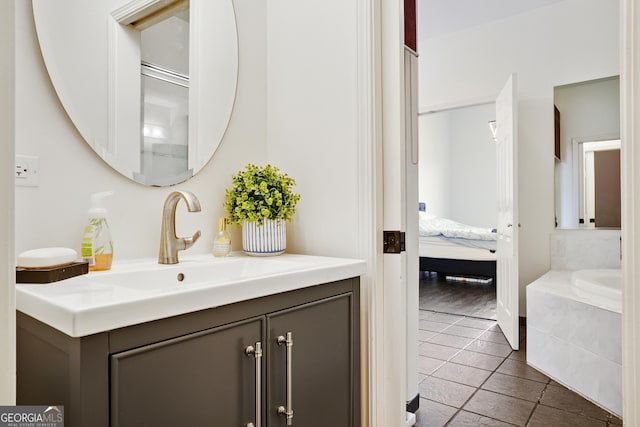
point(140, 291)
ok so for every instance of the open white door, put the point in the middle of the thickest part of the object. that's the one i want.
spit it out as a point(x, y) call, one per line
point(507, 197)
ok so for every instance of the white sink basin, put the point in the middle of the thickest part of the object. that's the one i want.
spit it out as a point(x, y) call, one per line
point(141, 291)
point(191, 273)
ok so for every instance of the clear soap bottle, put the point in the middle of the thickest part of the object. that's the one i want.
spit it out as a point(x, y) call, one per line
point(222, 241)
point(97, 246)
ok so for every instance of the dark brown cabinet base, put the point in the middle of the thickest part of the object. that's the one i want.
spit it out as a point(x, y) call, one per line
point(193, 369)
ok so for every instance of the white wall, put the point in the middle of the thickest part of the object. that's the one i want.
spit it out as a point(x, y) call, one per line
point(458, 165)
point(7, 269)
point(587, 110)
point(53, 214)
point(567, 42)
point(312, 122)
point(315, 103)
point(434, 186)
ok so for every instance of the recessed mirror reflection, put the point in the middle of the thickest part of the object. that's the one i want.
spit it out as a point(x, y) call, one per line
point(164, 69)
point(587, 169)
point(165, 131)
point(599, 176)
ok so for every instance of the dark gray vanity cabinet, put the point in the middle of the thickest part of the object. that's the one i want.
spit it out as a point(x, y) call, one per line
point(202, 368)
point(187, 380)
point(321, 364)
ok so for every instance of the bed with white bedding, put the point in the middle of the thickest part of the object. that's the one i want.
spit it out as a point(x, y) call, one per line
point(453, 248)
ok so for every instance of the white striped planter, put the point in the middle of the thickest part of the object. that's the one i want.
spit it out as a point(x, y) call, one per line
point(265, 240)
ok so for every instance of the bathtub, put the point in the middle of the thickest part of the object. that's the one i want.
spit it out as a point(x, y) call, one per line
point(574, 332)
point(601, 287)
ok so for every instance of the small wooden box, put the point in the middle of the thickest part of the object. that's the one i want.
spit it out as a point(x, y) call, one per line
point(51, 274)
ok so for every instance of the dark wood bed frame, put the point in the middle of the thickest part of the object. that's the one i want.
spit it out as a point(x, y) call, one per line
point(459, 267)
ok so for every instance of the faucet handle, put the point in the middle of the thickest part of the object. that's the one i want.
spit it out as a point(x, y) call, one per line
point(170, 244)
point(189, 241)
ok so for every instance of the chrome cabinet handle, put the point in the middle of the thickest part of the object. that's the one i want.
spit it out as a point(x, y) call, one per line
point(288, 411)
point(256, 352)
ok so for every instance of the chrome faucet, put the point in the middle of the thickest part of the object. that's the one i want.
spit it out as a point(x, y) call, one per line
point(170, 244)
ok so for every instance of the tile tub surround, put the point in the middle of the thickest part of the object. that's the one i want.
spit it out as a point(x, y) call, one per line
point(465, 387)
point(584, 249)
point(575, 341)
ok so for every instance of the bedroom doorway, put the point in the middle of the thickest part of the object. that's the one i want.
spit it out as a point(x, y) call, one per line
point(458, 211)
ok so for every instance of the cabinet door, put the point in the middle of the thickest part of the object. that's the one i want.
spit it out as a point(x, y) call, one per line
point(202, 379)
point(322, 364)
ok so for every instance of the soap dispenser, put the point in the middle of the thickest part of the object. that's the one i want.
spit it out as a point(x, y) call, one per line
point(222, 241)
point(97, 247)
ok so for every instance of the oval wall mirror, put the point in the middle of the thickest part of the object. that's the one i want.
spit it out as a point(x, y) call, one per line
point(149, 84)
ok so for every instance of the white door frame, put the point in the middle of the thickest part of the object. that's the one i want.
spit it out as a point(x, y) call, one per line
point(7, 260)
point(630, 163)
point(369, 146)
point(392, 304)
point(380, 128)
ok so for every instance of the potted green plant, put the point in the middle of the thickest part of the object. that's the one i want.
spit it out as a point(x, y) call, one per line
point(261, 199)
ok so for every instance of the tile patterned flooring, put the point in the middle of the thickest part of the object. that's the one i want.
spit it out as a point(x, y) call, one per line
point(469, 376)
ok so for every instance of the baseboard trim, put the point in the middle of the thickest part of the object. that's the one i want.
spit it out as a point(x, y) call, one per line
point(414, 404)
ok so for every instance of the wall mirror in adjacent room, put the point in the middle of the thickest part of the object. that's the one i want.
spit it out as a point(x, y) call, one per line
point(587, 169)
point(149, 84)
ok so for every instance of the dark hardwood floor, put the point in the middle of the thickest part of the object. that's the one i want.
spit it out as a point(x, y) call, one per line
point(464, 298)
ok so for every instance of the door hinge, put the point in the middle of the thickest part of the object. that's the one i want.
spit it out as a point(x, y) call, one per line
point(393, 242)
